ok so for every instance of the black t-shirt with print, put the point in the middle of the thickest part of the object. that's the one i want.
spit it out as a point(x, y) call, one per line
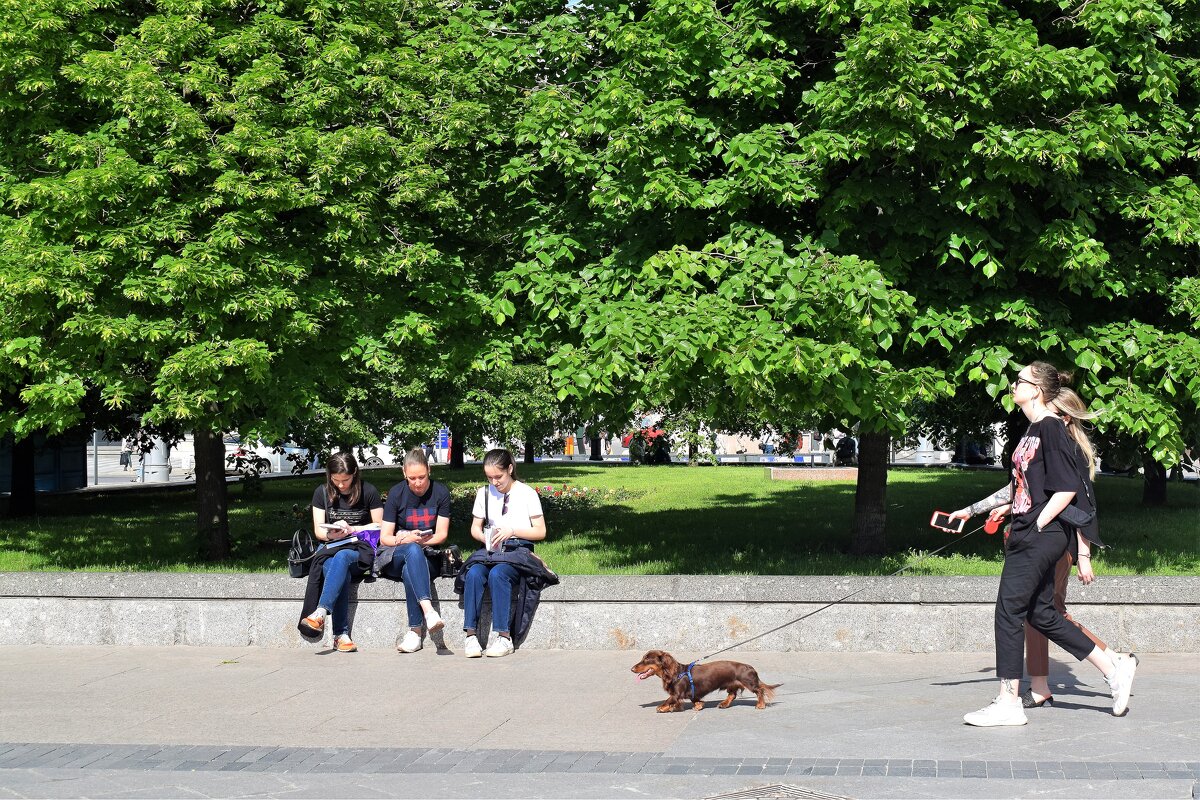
point(412, 512)
point(1043, 463)
point(358, 514)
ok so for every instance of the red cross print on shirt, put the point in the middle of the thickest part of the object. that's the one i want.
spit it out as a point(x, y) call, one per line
point(419, 519)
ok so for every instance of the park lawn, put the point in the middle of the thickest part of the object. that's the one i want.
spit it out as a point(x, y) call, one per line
point(657, 520)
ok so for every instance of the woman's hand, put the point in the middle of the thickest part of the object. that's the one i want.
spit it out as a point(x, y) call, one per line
point(1000, 512)
point(962, 513)
point(340, 532)
point(500, 534)
point(1084, 568)
point(421, 537)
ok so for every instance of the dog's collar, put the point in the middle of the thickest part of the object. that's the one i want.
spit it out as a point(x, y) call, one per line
point(688, 674)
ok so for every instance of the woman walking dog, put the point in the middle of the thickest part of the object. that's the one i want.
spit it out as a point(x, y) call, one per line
point(1046, 480)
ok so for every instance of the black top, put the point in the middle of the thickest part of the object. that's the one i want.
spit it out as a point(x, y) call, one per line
point(358, 514)
point(412, 512)
point(1043, 464)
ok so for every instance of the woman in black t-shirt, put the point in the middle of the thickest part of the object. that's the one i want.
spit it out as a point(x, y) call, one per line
point(346, 554)
point(1046, 480)
point(417, 515)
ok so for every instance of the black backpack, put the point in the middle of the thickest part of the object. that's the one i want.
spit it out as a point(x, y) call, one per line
point(300, 554)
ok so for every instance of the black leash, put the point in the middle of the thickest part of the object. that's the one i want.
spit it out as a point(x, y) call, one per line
point(834, 603)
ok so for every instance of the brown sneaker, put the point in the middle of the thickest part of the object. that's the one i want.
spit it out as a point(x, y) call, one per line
point(315, 623)
point(344, 645)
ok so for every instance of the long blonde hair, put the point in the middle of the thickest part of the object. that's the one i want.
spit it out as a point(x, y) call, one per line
point(1071, 406)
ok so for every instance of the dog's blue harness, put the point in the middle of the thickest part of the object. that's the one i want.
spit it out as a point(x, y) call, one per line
point(688, 675)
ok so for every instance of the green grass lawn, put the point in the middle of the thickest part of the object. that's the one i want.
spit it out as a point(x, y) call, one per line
point(660, 520)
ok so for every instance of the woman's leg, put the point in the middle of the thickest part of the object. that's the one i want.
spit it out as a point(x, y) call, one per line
point(335, 590)
point(1042, 613)
point(1026, 568)
point(473, 584)
point(415, 574)
point(1037, 646)
point(500, 586)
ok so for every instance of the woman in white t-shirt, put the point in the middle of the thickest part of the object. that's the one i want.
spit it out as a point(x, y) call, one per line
point(507, 515)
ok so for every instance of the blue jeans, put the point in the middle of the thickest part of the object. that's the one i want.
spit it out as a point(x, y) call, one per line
point(499, 579)
point(335, 589)
point(412, 567)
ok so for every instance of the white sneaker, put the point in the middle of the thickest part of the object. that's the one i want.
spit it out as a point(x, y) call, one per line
point(471, 648)
point(433, 622)
point(1001, 711)
point(499, 647)
point(1121, 683)
point(411, 643)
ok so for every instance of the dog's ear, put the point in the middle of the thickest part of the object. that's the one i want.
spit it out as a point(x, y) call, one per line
point(668, 662)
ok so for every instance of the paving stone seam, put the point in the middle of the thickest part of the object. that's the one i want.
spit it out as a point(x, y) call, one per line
point(369, 761)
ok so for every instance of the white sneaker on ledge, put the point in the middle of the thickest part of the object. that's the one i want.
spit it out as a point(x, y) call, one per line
point(500, 647)
point(433, 622)
point(1001, 711)
point(411, 643)
point(471, 648)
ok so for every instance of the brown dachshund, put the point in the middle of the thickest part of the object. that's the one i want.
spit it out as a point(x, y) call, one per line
point(728, 676)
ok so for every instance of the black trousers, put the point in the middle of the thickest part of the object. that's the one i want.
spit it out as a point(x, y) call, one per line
point(1026, 596)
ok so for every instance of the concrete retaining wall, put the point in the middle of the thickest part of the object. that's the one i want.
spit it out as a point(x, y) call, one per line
point(690, 614)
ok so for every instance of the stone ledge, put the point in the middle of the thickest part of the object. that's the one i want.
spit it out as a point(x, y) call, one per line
point(696, 613)
point(785, 589)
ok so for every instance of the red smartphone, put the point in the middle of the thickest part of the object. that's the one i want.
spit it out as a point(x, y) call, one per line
point(944, 521)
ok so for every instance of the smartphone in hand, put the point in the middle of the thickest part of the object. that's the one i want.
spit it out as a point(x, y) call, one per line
point(945, 522)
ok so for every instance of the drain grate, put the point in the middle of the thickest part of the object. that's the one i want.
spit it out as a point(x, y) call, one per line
point(779, 792)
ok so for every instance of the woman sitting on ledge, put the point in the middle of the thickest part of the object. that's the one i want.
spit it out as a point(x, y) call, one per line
point(341, 508)
point(417, 515)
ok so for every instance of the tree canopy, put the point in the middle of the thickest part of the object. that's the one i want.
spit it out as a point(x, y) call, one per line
point(223, 215)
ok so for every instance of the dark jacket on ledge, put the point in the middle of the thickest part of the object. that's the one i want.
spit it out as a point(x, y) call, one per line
point(533, 576)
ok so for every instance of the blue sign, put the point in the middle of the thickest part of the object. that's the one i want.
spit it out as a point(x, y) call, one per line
point(444, 438)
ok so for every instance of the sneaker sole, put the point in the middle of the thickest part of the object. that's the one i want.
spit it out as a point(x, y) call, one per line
point(474, 655)
point(435, 628)
point(1014, 724)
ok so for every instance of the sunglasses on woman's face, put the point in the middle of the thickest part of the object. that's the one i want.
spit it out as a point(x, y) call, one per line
point(1021, 380)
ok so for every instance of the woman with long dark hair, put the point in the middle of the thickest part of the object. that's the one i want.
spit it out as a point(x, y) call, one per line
point(1046, 479)
point(507, 516)
point(344, 509)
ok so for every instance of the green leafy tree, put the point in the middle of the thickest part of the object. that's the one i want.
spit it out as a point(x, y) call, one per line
point(227, 216)
point(863, 208)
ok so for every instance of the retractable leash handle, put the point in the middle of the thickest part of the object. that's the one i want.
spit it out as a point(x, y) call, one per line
point(992, 525)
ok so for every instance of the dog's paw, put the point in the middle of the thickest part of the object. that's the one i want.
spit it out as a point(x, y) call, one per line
point(666, 707)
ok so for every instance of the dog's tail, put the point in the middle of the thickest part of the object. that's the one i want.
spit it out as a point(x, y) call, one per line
point(768, 690)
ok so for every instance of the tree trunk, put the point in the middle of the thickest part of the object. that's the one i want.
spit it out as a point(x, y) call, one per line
point(456, 450)
point(1154, 483)
point(22, 500)
point(870, 512)
point(530, 450)
point(212, 497)
point(594, 443)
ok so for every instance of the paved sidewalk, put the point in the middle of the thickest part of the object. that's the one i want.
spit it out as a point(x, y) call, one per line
point(234, 722)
